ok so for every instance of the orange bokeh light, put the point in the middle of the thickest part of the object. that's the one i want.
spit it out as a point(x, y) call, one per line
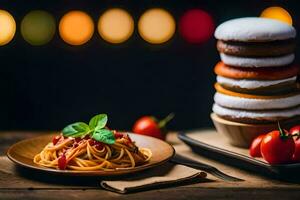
point(76, 27)
point(277, 13)
point(115, 25)
point(156, 26)
point(7, 27)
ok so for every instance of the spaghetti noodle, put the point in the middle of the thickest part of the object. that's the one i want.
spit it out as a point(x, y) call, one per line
point(87, 154)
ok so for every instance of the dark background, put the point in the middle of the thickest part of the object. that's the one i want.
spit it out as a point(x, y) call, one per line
point(47, 87)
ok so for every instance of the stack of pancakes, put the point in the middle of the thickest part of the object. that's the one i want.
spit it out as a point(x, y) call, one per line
point(256, 79)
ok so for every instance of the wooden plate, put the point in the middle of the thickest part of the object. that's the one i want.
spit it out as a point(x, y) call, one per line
point(22, 153)
point(213, 145)
point(242, 134)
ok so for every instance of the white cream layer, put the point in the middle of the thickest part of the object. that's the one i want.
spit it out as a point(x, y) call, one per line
point(219, 110)
point(252, 84)
point(257, 62)
point(256, 104)
point(254, 29)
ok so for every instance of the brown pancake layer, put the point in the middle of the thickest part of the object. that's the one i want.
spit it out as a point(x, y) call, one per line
point(256, 49)
point(260, 73)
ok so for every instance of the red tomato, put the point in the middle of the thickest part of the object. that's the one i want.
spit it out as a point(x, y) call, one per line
point(277, 147)
point(55, 139)
point(296, 156)
point(255, 146)
point(118, 135)
point(294, 131)
point(62, 162)
point(148, 126)
point(99, 145)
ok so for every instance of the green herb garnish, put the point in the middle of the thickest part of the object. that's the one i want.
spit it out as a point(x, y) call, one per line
point(95, 129)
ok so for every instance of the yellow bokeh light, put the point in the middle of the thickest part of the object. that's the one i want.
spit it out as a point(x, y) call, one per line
point(76, 27)
point(156, 26)
point(277, 13)
point(7, 27)
point(115, 25)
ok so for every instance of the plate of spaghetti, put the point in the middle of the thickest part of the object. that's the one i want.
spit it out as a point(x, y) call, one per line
point(91, 150)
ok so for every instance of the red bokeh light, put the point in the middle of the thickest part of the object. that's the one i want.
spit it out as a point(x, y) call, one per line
point(196, 26)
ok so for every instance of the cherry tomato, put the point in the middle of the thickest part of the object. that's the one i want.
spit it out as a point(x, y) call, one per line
point(62, 162)
point(148, 126)
point(296, 131)
point(99, 145)
point(55, 139)
point(277, 147)
point(255, 146)
point(92, 142)
point(296, 155)
point(118, 135)
point(78, 139)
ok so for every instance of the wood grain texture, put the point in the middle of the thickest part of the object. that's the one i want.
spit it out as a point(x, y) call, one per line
point(18, 183)
point(162, 194)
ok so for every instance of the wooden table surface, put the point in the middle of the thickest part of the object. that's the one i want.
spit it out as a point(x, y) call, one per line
point(29, 185)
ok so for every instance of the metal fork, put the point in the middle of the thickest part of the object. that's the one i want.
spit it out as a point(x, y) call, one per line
point(178, 159)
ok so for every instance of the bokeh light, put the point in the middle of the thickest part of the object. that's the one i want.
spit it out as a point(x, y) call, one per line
point(38, 27)
point(196, 26)
point(115, 25)
point(277, 13)
point(156, 26)
point(76, 27)
point(7, 27)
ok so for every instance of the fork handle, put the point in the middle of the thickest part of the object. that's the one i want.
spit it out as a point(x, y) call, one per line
point(192, 164)
point(204, 167)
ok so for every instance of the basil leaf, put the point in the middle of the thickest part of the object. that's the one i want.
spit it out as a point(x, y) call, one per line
point(77, 129)
point(98, 121)
point(104, 135)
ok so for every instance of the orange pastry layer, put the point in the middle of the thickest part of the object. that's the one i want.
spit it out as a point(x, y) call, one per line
point(268, 73)
point(222, 90)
